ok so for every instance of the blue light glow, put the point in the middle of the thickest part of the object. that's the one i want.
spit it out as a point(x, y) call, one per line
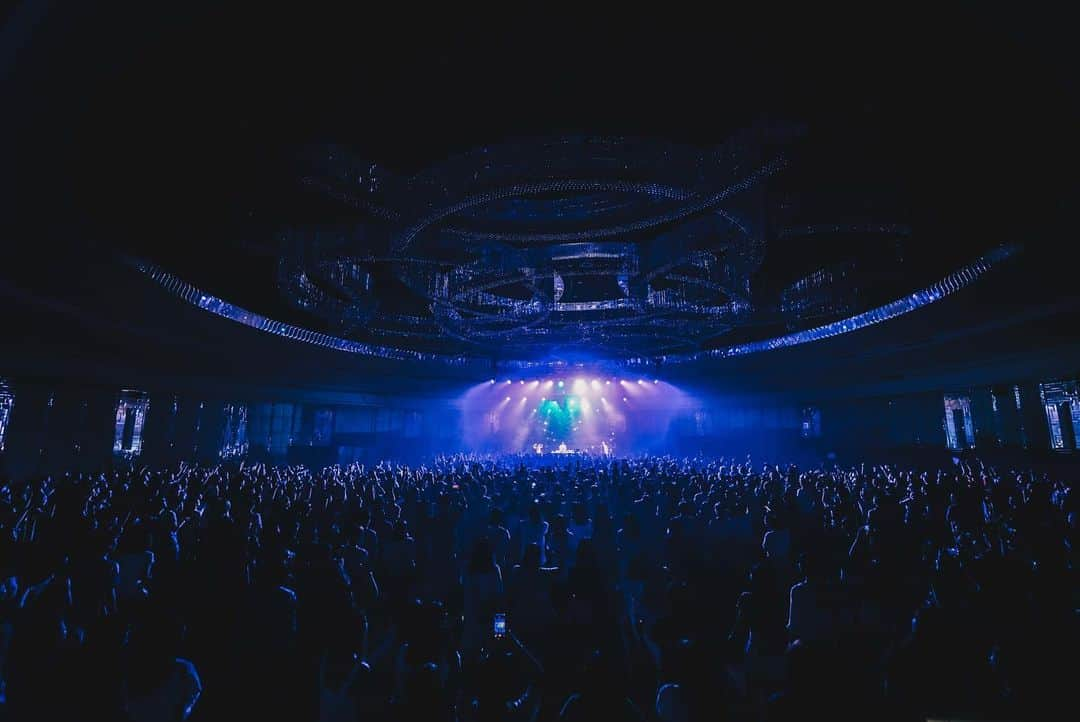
point(945, 287)
point(7, 403)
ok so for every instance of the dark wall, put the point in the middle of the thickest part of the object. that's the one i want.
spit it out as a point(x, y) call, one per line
point(882, 422)
point(875, 426)
point(766, 428)
point(57, 427)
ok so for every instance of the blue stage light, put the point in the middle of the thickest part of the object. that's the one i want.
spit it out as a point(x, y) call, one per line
point(948, 285)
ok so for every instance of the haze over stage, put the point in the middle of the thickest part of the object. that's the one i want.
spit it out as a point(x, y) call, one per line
point(582, 413)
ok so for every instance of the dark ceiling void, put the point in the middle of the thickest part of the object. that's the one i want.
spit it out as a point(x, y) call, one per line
point(471, 198)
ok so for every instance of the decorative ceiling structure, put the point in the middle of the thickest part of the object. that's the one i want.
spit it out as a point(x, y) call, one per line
point(561, 250)
point(625, 248)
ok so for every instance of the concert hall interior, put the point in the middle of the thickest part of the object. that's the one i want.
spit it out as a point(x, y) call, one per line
point(537, 367)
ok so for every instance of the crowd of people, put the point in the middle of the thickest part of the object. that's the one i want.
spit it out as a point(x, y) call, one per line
point(486, 589)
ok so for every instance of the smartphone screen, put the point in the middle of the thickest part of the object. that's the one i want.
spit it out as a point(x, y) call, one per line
point(499, 624)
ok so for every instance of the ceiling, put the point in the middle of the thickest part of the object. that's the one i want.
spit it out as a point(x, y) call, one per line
point(183, 138)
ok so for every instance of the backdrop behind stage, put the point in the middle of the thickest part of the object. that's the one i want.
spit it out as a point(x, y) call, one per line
point(598, 414)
